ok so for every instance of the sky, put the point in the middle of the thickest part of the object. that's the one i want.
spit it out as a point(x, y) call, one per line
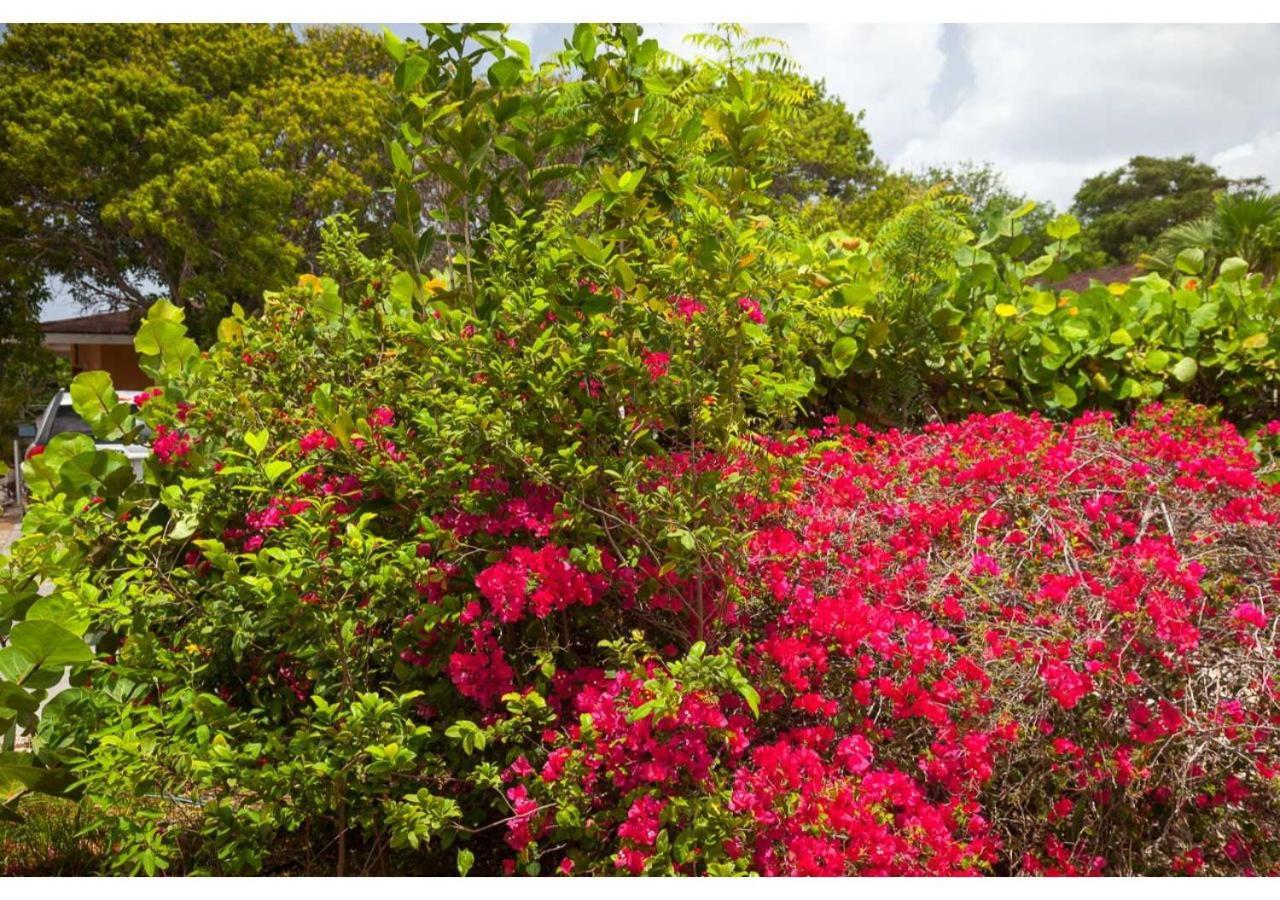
point(1048, 105)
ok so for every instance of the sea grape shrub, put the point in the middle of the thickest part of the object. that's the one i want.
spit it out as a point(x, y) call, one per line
point(986, 329)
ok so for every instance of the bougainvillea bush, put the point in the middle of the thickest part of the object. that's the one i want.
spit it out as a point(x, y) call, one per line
point(997, 646)
point(524, 565)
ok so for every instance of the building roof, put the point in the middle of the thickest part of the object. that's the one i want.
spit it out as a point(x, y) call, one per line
point(1080, 281)
point(124, 322)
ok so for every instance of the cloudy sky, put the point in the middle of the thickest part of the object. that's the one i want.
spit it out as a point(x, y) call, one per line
point(1048, 104)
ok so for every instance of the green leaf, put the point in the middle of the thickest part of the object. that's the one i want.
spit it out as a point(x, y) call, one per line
point(61, 608)
point(342, 428)
point(1205, 315)
point(44, 643)
point(399, 158)
point(1038, 266)
point(466, 859)
point(162, 339)
point(1064, 395)
point(275, 468)
point(93, 397)
point(394, 44)
point(625, 275)
point(1043, 304)
point(1157, 361)
point(517, 148)
point(629, 181)
point(402, 287)
point(1129, 387)
point(1122, 338)
point(1186, 369)
point(410, 72)
point(43, 473)
point(505, 72)
point(589, 199)
point(1233, 269)
point(257, 440)
point(843, 352)
point(590, 250)
point(16, 700)
point(165, 311)
point(1073, 330)
point(584, 41)
point(877, 333)
point(1063, 227)
point(1024, 210)
point(230, 331)
point(1190, 261)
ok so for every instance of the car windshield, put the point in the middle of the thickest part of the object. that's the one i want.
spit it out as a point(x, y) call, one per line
point(68, 421)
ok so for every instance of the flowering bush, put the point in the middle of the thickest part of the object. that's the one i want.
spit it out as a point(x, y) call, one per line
point(523, 566)
point(996, 646)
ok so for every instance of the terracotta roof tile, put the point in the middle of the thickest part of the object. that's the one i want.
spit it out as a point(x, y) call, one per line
point(122, 322)
point(1080, 281)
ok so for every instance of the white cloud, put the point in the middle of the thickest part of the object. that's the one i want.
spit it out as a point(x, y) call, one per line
point(884, 69)
point(1053, 104)
point(1260, 154)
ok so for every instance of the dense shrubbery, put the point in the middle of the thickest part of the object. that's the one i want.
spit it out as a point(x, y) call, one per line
point(943, 321)
point(997, 646)
point(525, 566)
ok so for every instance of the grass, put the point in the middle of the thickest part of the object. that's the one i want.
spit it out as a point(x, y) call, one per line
point(48, 841)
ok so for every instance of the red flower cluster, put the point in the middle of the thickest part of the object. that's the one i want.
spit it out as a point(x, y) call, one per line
point(999, 622)
point(687, 307)
point(170, 445)
point(482, 672)
point(752, 309)
point(538, 581)
point(657, 363)
point(317, 439)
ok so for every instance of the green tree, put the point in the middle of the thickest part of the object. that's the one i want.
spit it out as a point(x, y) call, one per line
point(195, 162)
point(28, 372)
point(824, 171)
point(830, 177)
point(1123, 211)
point(829, 149)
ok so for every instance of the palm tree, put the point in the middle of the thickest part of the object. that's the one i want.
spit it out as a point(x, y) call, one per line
point(1241, 224)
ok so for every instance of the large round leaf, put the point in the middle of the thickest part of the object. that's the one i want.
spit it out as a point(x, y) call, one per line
point(1065, 395)
point(48, 644)
point(1233, 269)
point(1186, 369)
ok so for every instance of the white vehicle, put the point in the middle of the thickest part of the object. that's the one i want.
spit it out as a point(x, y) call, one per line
point(60, 417)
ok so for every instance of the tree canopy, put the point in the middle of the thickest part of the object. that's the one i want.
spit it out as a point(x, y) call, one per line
point(194, 162)
point(1125, 210)
point(27, 370)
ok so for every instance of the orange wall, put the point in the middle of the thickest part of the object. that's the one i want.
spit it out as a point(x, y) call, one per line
point(120, 361)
